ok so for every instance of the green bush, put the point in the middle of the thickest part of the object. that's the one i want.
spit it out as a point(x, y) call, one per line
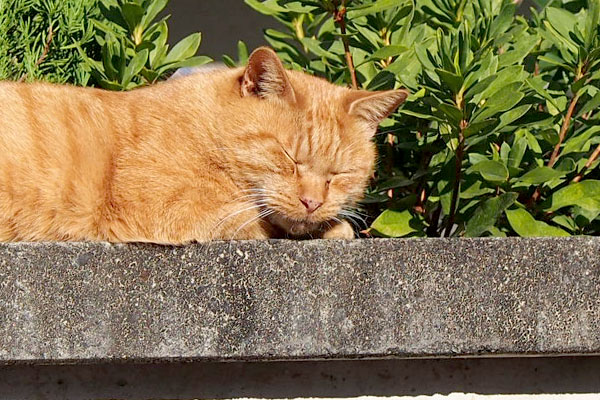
point(134, 45)
point(499, 136)
point(37, 37)
point(114, 44)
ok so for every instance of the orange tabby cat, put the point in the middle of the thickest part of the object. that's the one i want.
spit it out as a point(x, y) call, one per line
point(246, 153)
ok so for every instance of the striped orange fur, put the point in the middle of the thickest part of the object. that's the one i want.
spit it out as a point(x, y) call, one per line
point(245, 153)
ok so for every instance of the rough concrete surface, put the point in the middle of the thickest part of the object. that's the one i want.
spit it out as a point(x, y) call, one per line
point(83, 302)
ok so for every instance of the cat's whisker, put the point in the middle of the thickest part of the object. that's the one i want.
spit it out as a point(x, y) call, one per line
point(352, 213)
point(356, 211)
point(233, 214)
point(336, 219)
point(255, 192)
point(261, 215)
point(353, 218)
point(351, 145)
point(249, 197)
point(354, 223)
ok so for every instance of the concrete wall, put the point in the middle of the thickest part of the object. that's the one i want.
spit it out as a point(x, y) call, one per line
point(563, 378)
point(222, 23)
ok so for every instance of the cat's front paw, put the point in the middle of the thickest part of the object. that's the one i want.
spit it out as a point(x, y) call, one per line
point(342, 230)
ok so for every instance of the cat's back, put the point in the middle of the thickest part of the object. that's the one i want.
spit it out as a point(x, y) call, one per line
point(70, 157)
point(56, 144)
point(44, 117)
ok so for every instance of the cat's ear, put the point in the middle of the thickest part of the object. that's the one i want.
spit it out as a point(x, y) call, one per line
point(373, 107)
point(265, 76)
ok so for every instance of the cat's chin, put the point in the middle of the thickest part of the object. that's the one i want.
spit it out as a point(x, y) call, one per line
point(292, 226)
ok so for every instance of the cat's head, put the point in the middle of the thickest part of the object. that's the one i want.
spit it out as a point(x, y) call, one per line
point(309, 149)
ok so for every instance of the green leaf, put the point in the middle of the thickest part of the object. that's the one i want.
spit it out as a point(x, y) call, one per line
point(504, 152)
point(453, 113)
point(275, 34)
point(592, 104)
point(159, 40)
point(521, 50)
point(526, 226)
point(394, 182)
point(104, 27)
point(562, 20)
point(498, 83)
point(566, 222)
point(393, 223)
point(585, 194)
point(110, 51)
point(186, 48)
point(230, 62)
point(265, 8)
point(190, 62)
point(584, 216)
point(419, 115)
point(453, 81)
point(566, 164)
point(477, 189)
point(490, 170)
point(298, 7)
point(500, 101)
point(135, 66)
point(315, 47)
point(577, 143)
point(242, 51)
point(517, 151)
point(387, 52)
point(537, 84)
point(533, 143)
point(541, 175)
point(512, 115)
point(479, 126)
point(488, 212)
point(132, 13)
point(384, 80)
point(110, 85)
point(560, 27)
point(371, 8)
point(554, 60)
point(153, 9)
point(503, 21)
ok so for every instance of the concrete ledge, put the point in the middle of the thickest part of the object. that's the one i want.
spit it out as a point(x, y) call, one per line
point(278, 300)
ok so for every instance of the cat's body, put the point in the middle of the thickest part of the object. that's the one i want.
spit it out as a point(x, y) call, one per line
point(244, 153)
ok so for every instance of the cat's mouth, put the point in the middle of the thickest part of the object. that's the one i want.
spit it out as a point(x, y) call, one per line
point(292, 226)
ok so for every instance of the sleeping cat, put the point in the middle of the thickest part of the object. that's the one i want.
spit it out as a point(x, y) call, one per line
point(248, 153)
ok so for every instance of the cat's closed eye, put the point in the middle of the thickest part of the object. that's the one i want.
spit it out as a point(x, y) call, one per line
point(287, 154)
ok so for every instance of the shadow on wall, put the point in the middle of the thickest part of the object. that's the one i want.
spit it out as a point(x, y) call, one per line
point(222, 23)
point(332, 379)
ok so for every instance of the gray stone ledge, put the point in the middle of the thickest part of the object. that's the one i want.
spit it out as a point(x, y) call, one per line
point(285, 300)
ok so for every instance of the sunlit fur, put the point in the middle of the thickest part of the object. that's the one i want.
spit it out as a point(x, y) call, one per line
point(218, 155)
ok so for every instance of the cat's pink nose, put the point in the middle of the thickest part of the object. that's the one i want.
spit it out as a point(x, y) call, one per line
point(310, 204)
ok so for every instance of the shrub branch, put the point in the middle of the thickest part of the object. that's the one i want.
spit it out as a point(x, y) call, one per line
point(44, 52)
point(460, 152)
point(563, 130)
point(339, 16)
point(588, 164)
point(561, 137)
